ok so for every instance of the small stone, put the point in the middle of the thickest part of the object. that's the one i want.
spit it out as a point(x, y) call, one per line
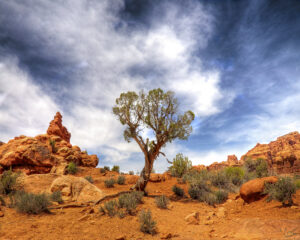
point(1, 214)
point(224, 236)
point(209, 222)
point(85, 217)
point(123, 237)
point(193, 218)
point(166, 236)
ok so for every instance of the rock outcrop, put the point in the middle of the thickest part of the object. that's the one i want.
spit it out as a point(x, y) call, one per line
point(57, 129)
point(253, 189)
point(282, 155)
point(45, 152)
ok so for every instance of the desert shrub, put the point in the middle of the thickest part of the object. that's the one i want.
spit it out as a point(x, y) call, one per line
point(2, 201)
point(297, 184)
point(147, 225)
point(121, 214)
point(102, 170)
point(282, 191)
point(208, 197)
point(109, 183)
point(235, 174)
point(121, 180)
point(181, 180)
point(249, 176)
point(106, 168)
point(56, 197)
point(138, 195)
point(72, 168)
point(131, 172)
point(219, 179)
point(180, 166)
point(31, 203)
point(197, 189)
point(111, 207)
point(89, 178)
point(116, 168)
point(261, 168)
point(221, 196)
point(178, 191)
point(52, 144)
point(8, 181)
point(129, 202)
point(101, 210)
point(162, 202)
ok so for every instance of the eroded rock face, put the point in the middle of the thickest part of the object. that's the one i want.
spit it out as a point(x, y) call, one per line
point(253, 189)
point(76, 189)
point(282, 155)
point(57, 129)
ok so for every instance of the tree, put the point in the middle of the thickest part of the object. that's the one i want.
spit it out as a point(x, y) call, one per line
point(157, 111)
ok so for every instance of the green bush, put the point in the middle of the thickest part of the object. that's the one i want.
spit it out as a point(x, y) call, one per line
point(102, 170)
point(131, 172)
point(138, 195)
point(111, 207)
point(109, 183)
point(52, 144)
point(235, 174)
point(8, 181)
point(147, 225)
point(31, 203)
point(121, 214)
point(221, 196)
point(198, 189)
point(180, 166)
point(261, 168)
point(89, 178)
point(121, 180)
point(72, 168)
point(220, 180)
point(178, 191)
point(116, 168)
point(162, 202)
point(106, 168)
point(297, 184)
point(282, 191)
point(129, 202)
point(56, 197)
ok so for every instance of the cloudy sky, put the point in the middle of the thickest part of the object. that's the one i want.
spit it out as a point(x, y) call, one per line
point(236, 64)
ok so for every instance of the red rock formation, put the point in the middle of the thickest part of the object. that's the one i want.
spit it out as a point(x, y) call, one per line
point(282, 155)
point(232, 161)
point(56, 128)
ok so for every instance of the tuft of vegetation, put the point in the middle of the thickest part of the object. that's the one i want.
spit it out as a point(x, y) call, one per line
point(31, 203)
point(116, 168)
point(89, 178)
point(102, 170)
point(56, 197)
point(162, 202)
point(121, 180)
point(72, 168)
point(221, 196)
point(111, 207)
point(109, 183)
point(256, 168)
point(52, 144)
point(121, 214)
point(106, 168)
point(129, 202)
point(220, 180)
point(138, 195)
point(131, 172)
point(101, 210)
point(261, 168)
point(235, 174)
point(297, 184)
point(178, 191)
point(8, 181)
point(180, 166)
point(147, 224)
point(282, 191)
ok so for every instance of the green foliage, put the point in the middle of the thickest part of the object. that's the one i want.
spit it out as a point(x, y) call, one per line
point(235, 174)
point(72, 168)
point(256, 168)
point(180, 166)
point(52, 144)
point(121, 214)
point(282, 191)
point(147, 224)
point(102, 170)
point(8, 181)
point(178, 191)
point(56, 197)
point(198, 189)
point(162, 202)
point(111, 207)
point(121, 180)
point(31, 203)
point(129, 202)
point(297, 183)
point(220, 180)
point(131, 172)
point(106, 168)
point(221, 196)
point(116, 168)
point(109, 183)
point(138, 195)
point(89, 178)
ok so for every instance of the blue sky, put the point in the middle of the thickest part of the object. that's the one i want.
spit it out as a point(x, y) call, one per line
point(234, 63)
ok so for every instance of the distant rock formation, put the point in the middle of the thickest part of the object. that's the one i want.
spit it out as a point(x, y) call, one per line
point(44, 153)
point(57, 129)
point(282, 155)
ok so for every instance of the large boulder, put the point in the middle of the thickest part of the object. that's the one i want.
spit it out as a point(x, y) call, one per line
point(282, 155)
point(253, 189)
point(76, 189)
point(57, 129)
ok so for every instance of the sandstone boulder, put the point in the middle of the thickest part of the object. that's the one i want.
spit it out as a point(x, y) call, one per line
point(253, 189)
point(76, 189)
point(56, 128)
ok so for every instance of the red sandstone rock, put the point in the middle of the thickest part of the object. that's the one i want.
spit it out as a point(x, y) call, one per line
point(252, 190)
point(232, 160)
point(282, 155)
point(56, 128)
